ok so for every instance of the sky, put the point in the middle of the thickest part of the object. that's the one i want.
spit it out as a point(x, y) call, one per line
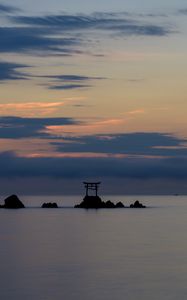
point(96, 91)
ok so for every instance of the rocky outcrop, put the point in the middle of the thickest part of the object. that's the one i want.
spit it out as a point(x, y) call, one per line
point(109, 204)
point(12, 202)
point(91, 202)
point(137, 204)
point(49, 205)
point(96, 202)
point(120, 205)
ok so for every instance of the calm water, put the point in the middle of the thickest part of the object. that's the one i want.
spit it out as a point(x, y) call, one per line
point(74, 254)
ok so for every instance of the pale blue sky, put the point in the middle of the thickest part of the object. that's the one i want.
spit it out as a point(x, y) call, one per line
point(98, 5)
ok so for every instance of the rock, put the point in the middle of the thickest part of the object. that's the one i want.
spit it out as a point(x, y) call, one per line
point(91, 202)
point(137, 204)
point(13, 202)
point(109, 204)
point(49, 205)
point(120, 205)
point(96, 202)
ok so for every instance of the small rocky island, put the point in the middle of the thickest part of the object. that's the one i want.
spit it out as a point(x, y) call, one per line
point(94, 201)
point(137, 204)
point(49, 205)
point(12, 202)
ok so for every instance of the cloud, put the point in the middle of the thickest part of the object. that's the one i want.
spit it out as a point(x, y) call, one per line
point(68, 87)
point(70, 81)
point(72, 78)
point(8, 9)
point(66, 34)
point(78, 168)
point(182, 11)
point(131, 144)
point(89, 127)
point(29, 108)
point(63, 144)
point(136, 111)
point(9, 71)
point(152, 144)
point(36, 40)
point(152, 160)
point(17, 127)
point(118, 23)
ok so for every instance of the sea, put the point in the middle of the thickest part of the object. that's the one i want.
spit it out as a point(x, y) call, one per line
point(106, 254)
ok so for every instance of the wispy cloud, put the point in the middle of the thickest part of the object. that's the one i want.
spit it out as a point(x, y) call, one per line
point(70, 82)
point(68, 87)
point(139, 144)
point(8, 9)
point(88, 127)
point(28, 147)
point(30, 108)
point(11, 71)
point(72, 155)
point(55, 132)
point(17, 127)
point(72, 78)
point(36, 40)
point(136, 111)
point(118, 23)
point(182, 11)
point(69, 34)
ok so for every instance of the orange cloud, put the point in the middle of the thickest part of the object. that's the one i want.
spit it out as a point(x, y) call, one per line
point(103, 126)
point(42, 148)
point(30, 108)
point(73, 155)
point(136, 111)
point(24, 147)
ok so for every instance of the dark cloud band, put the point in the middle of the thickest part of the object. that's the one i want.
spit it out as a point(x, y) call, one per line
point(17, 128)
point(10, 71)
point(109, 22)
point(140, 144)
point(77, 168)
point(57, 34)
point(8, 9)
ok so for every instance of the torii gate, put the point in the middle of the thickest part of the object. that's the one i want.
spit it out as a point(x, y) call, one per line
point(91, 186)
